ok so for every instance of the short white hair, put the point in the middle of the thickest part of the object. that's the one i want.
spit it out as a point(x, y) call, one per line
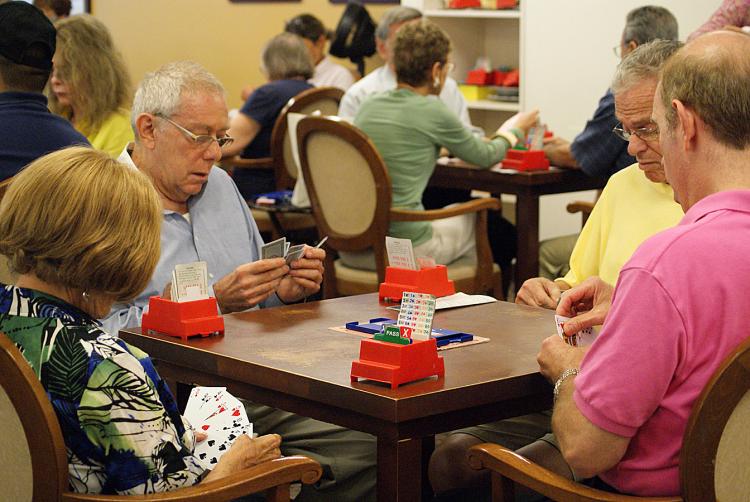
point(159, 92)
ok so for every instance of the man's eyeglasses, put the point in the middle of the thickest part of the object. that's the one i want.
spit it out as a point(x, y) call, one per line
point(203, 140)
point(649, 132)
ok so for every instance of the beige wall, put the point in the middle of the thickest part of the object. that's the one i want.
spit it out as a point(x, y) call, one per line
point(226, 37)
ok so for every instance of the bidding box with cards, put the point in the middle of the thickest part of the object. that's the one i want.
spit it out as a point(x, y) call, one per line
point(403, 274)
point(403, 352)
point(221, 416)
point(190, 311)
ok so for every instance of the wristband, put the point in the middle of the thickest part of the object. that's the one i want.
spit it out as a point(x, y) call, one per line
point(507, 136)
point(565, 375)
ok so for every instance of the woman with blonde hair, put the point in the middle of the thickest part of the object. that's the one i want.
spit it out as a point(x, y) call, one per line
point(83, 232)
point(90, 85)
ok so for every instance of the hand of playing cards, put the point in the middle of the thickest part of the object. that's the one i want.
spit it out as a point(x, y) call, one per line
point(215, 412)
point(583, 338)
point(280, 248)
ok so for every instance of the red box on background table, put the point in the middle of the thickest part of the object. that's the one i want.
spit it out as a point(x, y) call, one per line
point(526, 160)
point(433, 281)
point(396, 364)
point(182, 319)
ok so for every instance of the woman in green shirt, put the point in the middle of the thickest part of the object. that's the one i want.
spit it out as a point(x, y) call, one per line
point(409, 126)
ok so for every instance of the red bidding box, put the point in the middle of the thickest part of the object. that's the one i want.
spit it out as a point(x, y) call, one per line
point(433, 281)
point(182, 319)
point(526, 160)
point(397, 364)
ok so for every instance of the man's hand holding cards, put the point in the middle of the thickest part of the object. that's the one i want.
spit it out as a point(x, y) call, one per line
point(280, 248)
point(583, 338)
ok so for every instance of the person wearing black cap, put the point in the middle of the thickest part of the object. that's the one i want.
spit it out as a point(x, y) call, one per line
point(27, 128)
point(313, 33)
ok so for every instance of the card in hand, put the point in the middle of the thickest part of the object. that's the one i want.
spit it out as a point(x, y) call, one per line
point(295, 253)
point(583, 338)
point(275, 249)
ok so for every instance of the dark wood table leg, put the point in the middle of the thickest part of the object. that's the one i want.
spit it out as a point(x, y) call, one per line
point(527, 223)
point(428, 446)
point(399, 470)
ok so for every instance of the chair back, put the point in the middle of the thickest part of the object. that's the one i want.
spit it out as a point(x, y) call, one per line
point(32, 456)
point(348, 185)
point(325, 99)
point(715, 456)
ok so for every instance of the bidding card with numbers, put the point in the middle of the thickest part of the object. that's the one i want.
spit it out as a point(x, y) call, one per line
point(417, 311)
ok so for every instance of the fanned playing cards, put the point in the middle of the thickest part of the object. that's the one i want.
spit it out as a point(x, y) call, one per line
point(280, 248)
point(215, 412)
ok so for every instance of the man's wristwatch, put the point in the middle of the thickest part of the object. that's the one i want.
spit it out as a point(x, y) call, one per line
point(565, 374)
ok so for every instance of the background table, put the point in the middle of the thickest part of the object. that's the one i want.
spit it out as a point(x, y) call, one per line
point(527, 187)
point(288, 357)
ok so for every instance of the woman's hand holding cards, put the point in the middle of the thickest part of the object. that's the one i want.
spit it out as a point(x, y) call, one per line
point(246, 452)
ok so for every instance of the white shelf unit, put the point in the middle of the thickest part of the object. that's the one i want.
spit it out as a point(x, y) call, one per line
point(497, 106)
point(496, 34)
point(478, 13)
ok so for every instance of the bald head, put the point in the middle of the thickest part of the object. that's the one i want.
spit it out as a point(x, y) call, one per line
point(710, 75)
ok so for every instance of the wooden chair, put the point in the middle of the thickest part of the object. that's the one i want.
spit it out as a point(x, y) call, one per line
point(325, 99)
point(714, 460)
point(584, 207)
point(350, 193)
point(34, 462)
point(6, 275)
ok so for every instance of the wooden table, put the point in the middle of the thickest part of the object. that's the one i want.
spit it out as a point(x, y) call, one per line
point(287, 357)
point(527, 187)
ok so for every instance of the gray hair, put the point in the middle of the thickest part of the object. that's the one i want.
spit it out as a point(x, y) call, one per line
point(393, 16)
point(644, 24)
point(159, 92)
point(286, 56)
point(643, 63)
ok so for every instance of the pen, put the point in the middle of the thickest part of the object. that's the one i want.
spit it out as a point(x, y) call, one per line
point(322, 241)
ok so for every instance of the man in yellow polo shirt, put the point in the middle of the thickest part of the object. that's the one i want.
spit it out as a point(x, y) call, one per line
point(636, 203)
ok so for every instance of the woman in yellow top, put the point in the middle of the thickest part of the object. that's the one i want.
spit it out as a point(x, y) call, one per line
point(90, 85)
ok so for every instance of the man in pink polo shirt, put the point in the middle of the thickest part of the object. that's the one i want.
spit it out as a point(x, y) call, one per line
point(680, 305)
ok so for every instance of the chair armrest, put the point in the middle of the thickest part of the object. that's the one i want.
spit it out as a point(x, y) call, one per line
point(238, 162)
point(524, 472)
point(472, 206)
point(251, 480)
point(580, 206)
